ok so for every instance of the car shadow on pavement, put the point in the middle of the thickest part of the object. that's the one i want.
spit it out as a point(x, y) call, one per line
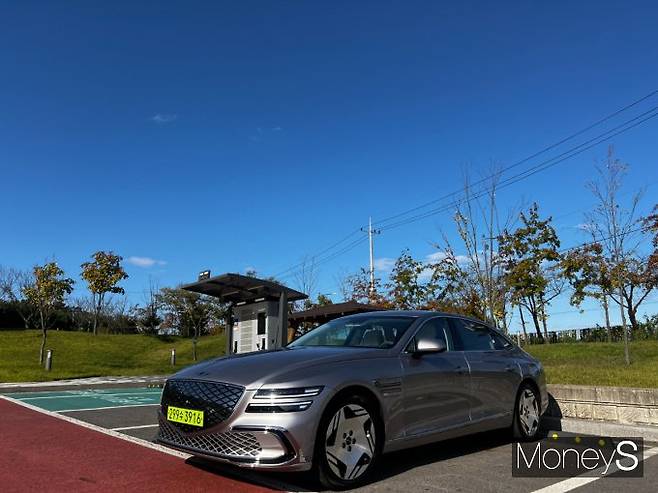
point(391, 464)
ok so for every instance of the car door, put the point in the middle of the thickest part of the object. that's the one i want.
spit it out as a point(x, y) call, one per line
point(495, 374)
point(435, 386)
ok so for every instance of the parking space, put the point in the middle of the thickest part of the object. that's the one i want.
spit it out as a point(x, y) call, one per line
point(480, 463)
point(131, 411)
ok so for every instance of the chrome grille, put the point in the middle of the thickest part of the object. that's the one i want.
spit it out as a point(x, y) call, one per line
point(231, 444)
point(216, 400)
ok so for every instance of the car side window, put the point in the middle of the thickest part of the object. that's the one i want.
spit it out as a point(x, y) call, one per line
point(472, 336)
point(500, 342)
point(435, 328)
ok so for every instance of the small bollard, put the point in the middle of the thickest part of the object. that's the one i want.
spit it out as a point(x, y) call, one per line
point(49, 359)
point(173, 357)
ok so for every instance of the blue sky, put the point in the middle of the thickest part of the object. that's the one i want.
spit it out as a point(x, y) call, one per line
point(228, 135)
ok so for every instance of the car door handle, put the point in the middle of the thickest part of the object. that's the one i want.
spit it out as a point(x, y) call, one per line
point(511, 369)
point(461, 370)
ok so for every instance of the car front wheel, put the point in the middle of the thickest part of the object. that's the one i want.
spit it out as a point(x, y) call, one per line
point(348, 443)
point(526, 413)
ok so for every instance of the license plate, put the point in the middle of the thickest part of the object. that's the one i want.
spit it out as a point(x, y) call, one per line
point(185, 416)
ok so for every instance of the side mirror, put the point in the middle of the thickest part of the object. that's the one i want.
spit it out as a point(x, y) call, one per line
point(428, 345)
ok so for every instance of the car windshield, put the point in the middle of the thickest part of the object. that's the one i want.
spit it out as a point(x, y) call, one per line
point(370, 331)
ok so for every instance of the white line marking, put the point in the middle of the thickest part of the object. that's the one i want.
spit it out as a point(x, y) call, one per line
point(86, 381)
point(115, 434)
point(125, 428)
point(577, 482)
point(95, 408)
point(87, 394)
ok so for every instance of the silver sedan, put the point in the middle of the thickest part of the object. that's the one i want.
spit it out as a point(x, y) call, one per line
point(345, 393)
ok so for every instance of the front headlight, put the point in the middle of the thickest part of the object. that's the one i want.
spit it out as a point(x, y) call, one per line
point(283, 400)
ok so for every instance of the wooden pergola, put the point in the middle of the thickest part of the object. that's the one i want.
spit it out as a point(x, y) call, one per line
point(323, 314)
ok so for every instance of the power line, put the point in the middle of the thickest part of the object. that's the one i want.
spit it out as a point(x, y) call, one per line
point(574, 151)
point(332, 256)
point(645, 186)
point(526, 159)
point(331, 247)
point(603, 238)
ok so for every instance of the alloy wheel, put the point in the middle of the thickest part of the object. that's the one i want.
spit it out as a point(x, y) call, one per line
point(350, 442)
point(528, 412)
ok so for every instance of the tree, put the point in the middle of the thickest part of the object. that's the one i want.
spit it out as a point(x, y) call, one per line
point(46, 294)
point(306, 280)
point(342, 281)
point(306, 276)
point(614, 226)
point(479, 225)
point(530, 257)
point(102, 276)
point(147, 317)
point(406, 291)
point(650, 224)
point(13, 283)
point(191, 312)
point(323, 300)
point(588, 273)
point(358, 288)
point(451, 288)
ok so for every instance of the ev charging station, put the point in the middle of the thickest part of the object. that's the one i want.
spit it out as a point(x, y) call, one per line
point(258, 314)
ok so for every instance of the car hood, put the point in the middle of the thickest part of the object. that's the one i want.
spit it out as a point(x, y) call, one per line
point(252, 370)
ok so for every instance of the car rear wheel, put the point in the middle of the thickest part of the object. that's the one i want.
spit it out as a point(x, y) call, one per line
point(348, 443)
point(527, 413)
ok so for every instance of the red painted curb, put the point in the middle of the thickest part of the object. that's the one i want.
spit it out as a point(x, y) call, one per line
point(41, 452)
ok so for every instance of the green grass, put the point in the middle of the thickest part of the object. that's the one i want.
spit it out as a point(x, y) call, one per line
point(599, 363)
point(80, 354)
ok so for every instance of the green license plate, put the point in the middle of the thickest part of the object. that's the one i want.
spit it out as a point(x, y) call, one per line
point(185, 416)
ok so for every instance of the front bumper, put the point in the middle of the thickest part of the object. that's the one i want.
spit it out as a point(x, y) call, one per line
point(256, 447)
point(273, 441)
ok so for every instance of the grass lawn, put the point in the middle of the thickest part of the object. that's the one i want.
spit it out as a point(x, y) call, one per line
point(80, 354)
point(599, 363)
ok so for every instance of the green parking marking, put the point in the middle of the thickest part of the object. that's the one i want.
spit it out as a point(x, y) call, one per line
point(78, 400)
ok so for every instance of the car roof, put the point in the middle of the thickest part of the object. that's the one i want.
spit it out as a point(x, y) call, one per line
point(417, 314)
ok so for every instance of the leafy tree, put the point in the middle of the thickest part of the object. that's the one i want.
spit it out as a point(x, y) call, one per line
point(48, 292)
point(358, 289)
point(451, 287)
point(193, 314)
point(406, 291)
point(323, 300)
point(308, 303)
point(588, 273)
point(102, 276)
point(635, 277)
point(530, 256)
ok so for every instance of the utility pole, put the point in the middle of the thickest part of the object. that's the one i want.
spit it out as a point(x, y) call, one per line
point(371, 232)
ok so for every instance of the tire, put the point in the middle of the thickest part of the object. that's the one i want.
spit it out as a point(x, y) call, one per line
point(348, 443)
point(527, 413)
